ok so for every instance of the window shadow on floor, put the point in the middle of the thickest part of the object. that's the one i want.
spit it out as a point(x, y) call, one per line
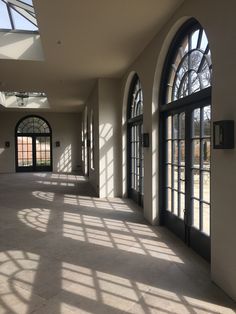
point(69, 253)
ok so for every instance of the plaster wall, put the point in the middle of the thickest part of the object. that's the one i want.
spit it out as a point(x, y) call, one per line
point(109, 138)
point(91, 107)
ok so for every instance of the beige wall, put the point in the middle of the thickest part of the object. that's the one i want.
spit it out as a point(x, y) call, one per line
point(104, 102)
point(92, 105)
point(109, 138)
point(66, 128)
point(218, 19)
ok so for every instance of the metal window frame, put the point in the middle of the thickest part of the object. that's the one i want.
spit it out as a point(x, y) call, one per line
point(134, 121)
point(34, 136)
point(25, 10)
point(187, 104)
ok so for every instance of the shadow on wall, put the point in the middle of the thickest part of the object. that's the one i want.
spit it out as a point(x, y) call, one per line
point(106, 161)
point(65, 161)
point(7, 161)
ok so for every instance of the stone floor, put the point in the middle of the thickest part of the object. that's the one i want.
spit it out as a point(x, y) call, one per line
point(64, 251)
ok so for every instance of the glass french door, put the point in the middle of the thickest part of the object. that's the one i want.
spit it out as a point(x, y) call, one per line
point(187, 143)
point(136, 168)
point(33, 153)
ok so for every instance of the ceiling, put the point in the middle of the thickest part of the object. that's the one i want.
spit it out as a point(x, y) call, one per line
point(83, 40)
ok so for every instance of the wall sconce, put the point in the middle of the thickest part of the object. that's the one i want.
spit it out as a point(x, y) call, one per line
point(58, 144)
point(145, 139)
point(223, 134)
point(7, 144)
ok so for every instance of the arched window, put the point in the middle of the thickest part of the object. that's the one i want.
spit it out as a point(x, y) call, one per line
point(186, 137)
point(191, 68)
point(33, 145)
point(135, 148)
point(136, 99)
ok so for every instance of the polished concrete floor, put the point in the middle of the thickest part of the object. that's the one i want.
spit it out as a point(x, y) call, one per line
point(64, 251)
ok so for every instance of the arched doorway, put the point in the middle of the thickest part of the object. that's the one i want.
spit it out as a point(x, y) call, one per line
point(33, 145)
point(135, 163)
point(186, 137)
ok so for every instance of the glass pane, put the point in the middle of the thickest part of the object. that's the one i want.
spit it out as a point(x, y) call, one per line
point(207, 121)
point(195, 60)
point(175, 152)
point(4, 17)
point(196, 153)
point(182, 205)
point(175, 202)
point(27, 2)
point(205, 74)
point(169, 176)
point(169, 127)
point(169, 151)
point(184, 87)
point(43, 145)
point(182, 153)
point(206, 218)
point(194, 39)
point(136, 106)
point(206, 186)
point(195, 82)
point(196, 122)
point(182, 125)
point(24, 156)
point(204, 41)
point(195, 211)
point(175, 177)
point(175, 126)
point(182, 179)
point(196, 183)
point(169, 199)
point(206, 153)
point(21, 22)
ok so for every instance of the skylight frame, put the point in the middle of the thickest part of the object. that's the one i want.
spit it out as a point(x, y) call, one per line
point(26, 11)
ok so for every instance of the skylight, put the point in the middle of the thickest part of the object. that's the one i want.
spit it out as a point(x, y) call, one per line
point(17, 15)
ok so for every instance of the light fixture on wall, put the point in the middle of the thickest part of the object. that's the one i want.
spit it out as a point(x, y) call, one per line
point(146, 140)
point(22, 98)
point(223, 134)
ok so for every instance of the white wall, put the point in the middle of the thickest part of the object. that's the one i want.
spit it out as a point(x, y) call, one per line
point(104, 101)
point(66, 128)
point(218, 19)
point(92, 105)
point(109, 138)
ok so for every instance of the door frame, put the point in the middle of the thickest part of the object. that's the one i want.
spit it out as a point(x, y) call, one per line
point(194, 238)
point(137, 196)
point(34, 168)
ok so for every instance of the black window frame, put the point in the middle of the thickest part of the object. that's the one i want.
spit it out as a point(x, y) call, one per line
point(135, 123)
point(198, 99)
point(34, 167)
